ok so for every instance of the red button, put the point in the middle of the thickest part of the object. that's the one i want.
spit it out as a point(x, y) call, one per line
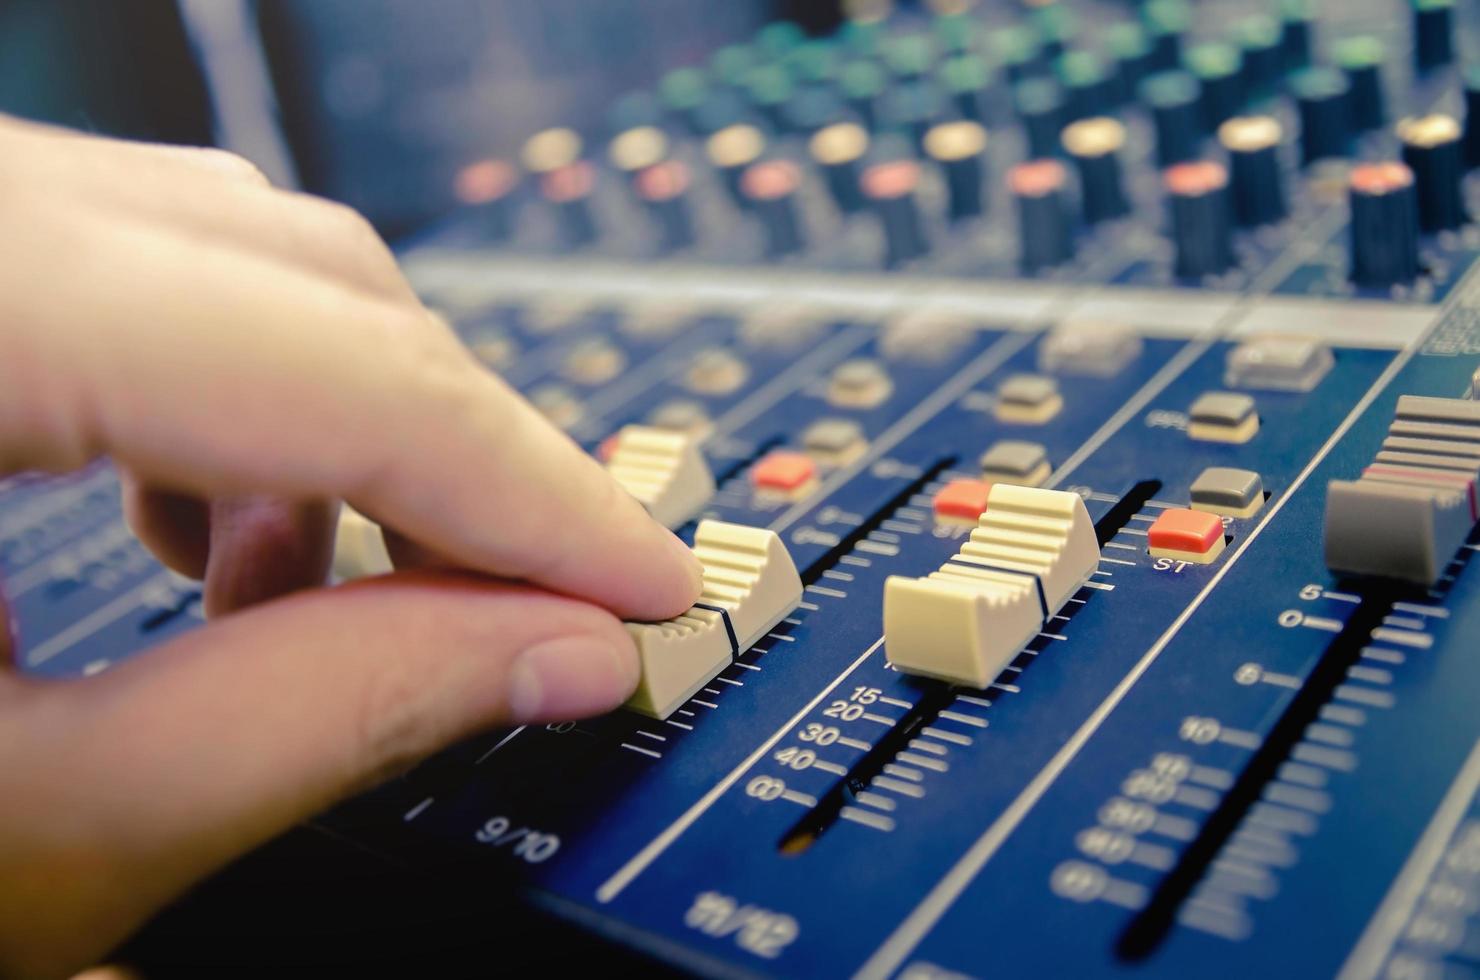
point(783, 471)
point(608, 447)
point(1195, 531)
point(962, 500)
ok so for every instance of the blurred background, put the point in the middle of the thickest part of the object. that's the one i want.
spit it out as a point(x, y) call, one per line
point(376, 103)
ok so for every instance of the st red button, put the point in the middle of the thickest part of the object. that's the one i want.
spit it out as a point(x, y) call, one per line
point(1186, 535)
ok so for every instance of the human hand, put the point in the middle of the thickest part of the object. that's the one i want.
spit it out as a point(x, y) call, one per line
point(249, 357)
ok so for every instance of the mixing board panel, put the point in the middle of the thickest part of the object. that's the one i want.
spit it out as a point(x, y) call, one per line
point(1217, 756)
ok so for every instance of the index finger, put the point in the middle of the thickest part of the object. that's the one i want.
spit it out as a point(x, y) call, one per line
point(262, 377)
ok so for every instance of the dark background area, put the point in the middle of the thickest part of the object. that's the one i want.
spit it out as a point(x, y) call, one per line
point(122, 68)
point(381, 101)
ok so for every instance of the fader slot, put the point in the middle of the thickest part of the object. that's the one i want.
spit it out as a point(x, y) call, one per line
point(1152, 924)
point(935, 696)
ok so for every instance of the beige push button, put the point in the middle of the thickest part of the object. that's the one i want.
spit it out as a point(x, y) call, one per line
point(1028, 399)
point(1223, 416)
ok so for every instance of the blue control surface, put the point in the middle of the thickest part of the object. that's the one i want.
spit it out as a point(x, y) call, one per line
point(1242, 767)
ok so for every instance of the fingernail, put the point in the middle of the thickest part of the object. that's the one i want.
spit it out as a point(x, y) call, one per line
point(570, 677)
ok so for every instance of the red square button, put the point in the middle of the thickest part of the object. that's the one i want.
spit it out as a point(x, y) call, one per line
point(1193, 531)
point(784, 471)
point(962, 500)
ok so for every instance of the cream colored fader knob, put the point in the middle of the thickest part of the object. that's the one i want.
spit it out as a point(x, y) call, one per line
point(664, 470)
point(750, 585)
point(359, 547)
point(1030, 552)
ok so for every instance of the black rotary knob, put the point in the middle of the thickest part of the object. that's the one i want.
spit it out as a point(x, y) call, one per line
point(1038, 187)
point(891, 187)
point(1325, 114)
point(1173, 98)
point(1361, 59)
point(1432, 150)
point(960, 149)
point(1197, 194)
point(1433, 34)
point(838, 150)
point(1252, 144)
point(1094, 145)
point(731, 151)
point(1384, 224)
point(1472, 118)
point(663, 190)
point(1040, 106)
point(771, 186)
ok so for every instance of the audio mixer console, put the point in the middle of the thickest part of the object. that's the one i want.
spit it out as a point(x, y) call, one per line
point(1074, 409)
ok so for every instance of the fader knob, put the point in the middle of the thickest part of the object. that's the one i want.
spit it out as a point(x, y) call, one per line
point(959, 148)
point(891, 186)
point(1043, 221)
point(1029, 552)
point(1384, 224)
point(1094, 145)
point(1197, 194)
point(1433, 34)
point(1252, 144)
point(1431, 148)
point(1325, 116)
point(1172, 97)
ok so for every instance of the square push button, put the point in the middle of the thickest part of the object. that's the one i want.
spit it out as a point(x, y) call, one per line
point(786, 474)
point(859, 383)
point(1277, 364)
point(1186, 535)
point(1227, 491)
point(1223, 416)
point(1013, 461)
point(1029, 399)
point(835, 441)
point(962, 502)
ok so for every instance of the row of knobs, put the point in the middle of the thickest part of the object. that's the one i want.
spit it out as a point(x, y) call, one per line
point(1392, 203)
point(1187, 93)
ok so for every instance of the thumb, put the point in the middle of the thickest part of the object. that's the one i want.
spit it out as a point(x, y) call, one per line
point(172, 764)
